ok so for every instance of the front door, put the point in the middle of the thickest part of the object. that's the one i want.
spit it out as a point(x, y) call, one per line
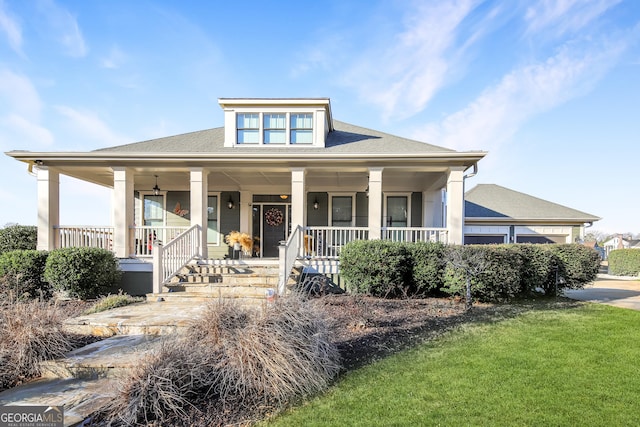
point(274, 229)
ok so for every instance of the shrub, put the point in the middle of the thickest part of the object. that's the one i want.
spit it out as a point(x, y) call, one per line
point(21, 275)
point(18, 237)
point(234, 360)
point(376, 267)
point(112, 301)
point(578, 265)
point(428, 263)
point(82, 272)
point(624, 262)
point(539, 267)
point(30, 332)
point(496, 279)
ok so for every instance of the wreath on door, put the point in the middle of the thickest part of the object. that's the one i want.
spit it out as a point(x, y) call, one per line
point(273, 217)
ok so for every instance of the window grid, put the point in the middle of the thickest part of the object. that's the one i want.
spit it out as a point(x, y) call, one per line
point(248, 128)
point(302, 128)
point(275, 128)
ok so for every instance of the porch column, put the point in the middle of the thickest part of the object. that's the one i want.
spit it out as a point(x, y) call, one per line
point(298, 197)
point(199, 194)
point(375, 203)
point(455, 205)
point(245, 212)
point(122, 211)
point(48, 208)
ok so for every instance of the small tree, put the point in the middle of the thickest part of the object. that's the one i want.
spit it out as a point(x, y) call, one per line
point(468, 262)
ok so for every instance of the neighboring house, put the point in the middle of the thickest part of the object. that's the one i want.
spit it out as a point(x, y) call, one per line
point(619, 242)
point(278, 170)
point(495, 214)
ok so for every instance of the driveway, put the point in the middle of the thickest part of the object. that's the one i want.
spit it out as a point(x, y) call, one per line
point(624, 293)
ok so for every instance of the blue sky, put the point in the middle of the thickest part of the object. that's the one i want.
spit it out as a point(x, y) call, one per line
point(551, 89)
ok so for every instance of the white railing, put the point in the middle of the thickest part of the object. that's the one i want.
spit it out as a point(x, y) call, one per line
point(326, 242)
point(289, 252)
point(169, 259)
point(80, 236)
point(414, 234)
point(146, 236)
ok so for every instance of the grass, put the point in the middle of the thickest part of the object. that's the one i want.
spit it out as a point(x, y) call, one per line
point(548, 366)
point(112, 301)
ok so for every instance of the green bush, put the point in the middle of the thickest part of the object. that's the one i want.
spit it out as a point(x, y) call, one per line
point(539, 265)
point(16, 237)
point(496, 272)
point(82, 272)
point(624, 262)
point(376, 267)
point(578, 265)
point(428, 263)
point(21, 275)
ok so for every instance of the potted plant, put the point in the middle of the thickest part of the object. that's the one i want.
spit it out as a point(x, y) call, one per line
point(239, 241)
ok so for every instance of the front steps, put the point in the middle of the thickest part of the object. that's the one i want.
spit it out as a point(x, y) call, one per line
point(248, 282)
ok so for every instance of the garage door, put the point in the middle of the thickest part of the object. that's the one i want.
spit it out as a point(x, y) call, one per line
point(483, 240)
point(537, 238)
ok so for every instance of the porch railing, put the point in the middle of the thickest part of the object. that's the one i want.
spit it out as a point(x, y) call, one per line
point(146, 236)
point(170, 258)
point(289, 252)
point(80, 236)
point(326, 242)
point(414, 234)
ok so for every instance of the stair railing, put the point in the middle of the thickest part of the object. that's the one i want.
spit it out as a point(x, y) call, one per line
point(289, 253)
point(169, 259)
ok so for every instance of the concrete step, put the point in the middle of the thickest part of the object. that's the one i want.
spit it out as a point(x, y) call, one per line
point(107, 358)
point(80, 398)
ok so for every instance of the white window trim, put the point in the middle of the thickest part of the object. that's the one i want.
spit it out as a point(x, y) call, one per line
point(218, 194)
point(162, 193)
point(384, 210)
point(353, 205)
point(261, 128)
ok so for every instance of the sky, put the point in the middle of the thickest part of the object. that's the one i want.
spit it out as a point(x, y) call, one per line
point(550, 88)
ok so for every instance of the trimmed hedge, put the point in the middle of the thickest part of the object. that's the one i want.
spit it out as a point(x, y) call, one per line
point(21, 275)
point(504, 272)
point(82, 272)
point(624, 262)
point(18, 237)
point(376, 267)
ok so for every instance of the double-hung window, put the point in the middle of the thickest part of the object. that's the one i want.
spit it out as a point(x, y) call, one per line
point(302, 128)
point(248, 126)
point(275, 128)
point(213, 232)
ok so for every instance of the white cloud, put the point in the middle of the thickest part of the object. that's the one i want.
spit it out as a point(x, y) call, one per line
point(406, 73)
point(86, 124)
point(500, 110)
point(27, 132)
point(114, 60)
point(10, 26)
point(65, 28)
point(19, 94)
point(563, 16)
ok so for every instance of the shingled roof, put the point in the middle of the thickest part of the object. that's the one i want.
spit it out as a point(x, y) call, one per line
point(500, 203)
point(346, 138)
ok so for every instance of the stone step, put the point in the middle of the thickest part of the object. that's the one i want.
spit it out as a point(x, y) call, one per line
point(231, 269)
point(202, 297)
point(223, 289)
point(107, 358)
point(80, 398)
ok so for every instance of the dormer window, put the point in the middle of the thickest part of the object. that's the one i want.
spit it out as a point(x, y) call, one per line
point(302, 128)
point(276, 122)
point(248, 128)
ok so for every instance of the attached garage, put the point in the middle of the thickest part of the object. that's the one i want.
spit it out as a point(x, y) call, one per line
point(483, 240)
point(541, 239)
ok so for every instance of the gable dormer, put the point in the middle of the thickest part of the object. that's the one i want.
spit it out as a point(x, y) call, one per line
point(276, 122)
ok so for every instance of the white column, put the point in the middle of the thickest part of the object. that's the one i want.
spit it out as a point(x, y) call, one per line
point(199, 194)
point(375, 203)
point(48, 208)
point(122, 211)
point(298, 197)
point(455, 205)
point(245, 212)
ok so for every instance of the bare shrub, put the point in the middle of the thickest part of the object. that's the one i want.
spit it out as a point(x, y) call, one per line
point(233, 363)
point(30, 332)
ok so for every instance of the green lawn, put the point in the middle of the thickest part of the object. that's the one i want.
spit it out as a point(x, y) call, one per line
point(547, 367)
